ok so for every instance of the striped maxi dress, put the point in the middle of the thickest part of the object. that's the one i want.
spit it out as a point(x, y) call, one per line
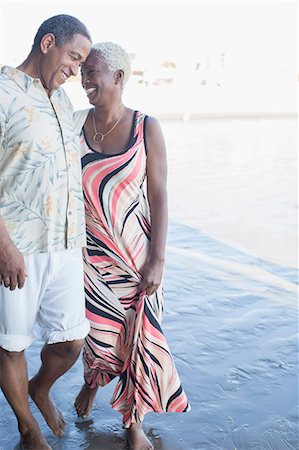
point(126, 339)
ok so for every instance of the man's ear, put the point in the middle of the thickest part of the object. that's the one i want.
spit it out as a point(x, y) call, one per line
point(47, 42)
point(119, 77)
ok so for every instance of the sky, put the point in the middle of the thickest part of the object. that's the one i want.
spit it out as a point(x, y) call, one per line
point(259, 40)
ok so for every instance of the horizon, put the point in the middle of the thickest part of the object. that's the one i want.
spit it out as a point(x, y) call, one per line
point(258, 41)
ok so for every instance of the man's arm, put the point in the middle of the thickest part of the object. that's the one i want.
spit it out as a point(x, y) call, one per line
point(12, 265)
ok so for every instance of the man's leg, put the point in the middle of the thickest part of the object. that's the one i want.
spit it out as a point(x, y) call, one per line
point(18, 310)
point(57, 359)
point(63, 323)
point(14, 384)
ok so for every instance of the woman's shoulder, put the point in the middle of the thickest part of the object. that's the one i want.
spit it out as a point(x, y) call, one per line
point(143, 118)
point(151, 122)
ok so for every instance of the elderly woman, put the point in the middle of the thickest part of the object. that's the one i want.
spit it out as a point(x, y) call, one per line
point(124, 181)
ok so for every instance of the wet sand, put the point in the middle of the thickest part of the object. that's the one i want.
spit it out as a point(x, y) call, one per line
point(231, 304)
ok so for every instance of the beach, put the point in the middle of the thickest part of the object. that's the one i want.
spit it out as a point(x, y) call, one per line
point(231, 297)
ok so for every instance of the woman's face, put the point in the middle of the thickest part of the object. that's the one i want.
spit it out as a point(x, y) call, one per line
point(97, 80)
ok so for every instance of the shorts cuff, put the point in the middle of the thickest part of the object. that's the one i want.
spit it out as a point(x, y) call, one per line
point(16, 343)
point(74, 334)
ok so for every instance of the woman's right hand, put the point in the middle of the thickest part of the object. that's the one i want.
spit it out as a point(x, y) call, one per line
point(152, 274)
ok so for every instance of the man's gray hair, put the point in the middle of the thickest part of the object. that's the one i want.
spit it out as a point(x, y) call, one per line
point(115, 57)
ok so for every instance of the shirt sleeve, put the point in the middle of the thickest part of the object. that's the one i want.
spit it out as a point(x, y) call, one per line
point(2, 130)
point(80, 118)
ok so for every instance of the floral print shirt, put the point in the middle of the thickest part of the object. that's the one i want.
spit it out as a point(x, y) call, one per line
point(41, 200)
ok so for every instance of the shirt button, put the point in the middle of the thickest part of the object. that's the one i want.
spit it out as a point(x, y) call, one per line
point(70, 213)
point(36, 80)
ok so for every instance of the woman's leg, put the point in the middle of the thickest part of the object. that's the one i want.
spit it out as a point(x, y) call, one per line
point(137, 439)
point(84, 401)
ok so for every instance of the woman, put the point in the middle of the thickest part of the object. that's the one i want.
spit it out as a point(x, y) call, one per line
point(124, 182)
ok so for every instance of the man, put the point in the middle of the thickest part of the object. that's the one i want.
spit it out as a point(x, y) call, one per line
point(42, 227)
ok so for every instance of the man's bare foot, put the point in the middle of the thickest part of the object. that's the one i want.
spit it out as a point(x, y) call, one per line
point(32, 439)
point(137, 439)
point(47, 407)
point(84, 400)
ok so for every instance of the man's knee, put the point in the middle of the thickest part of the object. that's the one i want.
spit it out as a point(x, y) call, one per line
point(68, 349)
point(72, 347)
point(11, 356)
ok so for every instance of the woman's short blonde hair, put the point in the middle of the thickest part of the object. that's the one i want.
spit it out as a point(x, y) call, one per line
point(115, 57)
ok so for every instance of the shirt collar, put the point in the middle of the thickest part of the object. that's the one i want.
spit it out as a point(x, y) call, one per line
point(23, 80)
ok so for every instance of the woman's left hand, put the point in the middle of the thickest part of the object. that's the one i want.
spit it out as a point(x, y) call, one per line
point(152, 274)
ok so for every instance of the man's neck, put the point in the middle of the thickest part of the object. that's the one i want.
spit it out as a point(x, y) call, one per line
point(31, 67)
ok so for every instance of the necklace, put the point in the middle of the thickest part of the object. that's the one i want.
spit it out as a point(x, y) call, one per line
point(103, 135)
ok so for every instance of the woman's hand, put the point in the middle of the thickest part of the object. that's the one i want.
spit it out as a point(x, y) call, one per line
point(152, 273)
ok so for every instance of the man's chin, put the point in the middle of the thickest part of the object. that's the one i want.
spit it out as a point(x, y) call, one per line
point(92, 101)
point(58, 83)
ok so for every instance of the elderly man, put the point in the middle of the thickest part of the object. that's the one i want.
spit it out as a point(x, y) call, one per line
point(42, 227)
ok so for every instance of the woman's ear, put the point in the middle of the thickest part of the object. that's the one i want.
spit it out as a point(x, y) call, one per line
point(47, 42)
point(119, 77)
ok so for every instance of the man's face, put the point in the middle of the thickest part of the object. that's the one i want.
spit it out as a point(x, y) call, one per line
point(59, 63)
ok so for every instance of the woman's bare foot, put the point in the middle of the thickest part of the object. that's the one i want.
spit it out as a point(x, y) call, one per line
point(33, 439)
point(47, 407)
point(137, 438)
point(84, 400)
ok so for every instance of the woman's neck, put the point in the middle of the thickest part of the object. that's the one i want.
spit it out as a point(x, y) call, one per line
point(107, 114)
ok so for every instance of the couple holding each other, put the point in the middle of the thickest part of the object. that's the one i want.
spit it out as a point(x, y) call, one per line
point(123, 161)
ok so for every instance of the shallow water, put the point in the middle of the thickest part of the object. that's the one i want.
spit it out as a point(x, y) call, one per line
point(236, 180)
point(231, 298)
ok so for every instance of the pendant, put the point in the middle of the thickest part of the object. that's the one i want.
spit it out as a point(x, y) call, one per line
point(98, 140)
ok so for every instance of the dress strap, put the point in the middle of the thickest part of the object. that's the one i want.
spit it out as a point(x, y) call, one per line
point(139, 125)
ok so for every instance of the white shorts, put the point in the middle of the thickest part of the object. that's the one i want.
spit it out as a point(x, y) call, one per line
point(52, 298)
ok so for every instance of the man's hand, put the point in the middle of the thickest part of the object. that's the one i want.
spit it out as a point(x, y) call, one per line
point(12, 267)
